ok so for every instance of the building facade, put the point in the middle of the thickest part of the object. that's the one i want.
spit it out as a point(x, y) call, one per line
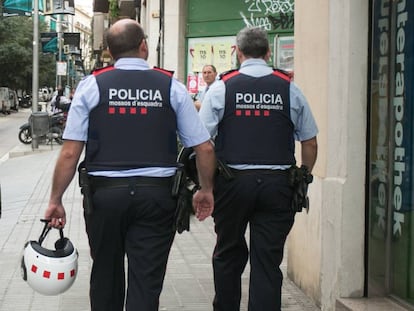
point(82, 24)
point(353, 61)
point(72, 35)
point(358, 241)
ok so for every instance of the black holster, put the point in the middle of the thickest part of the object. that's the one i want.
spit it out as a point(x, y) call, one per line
point(183, 190)
point(224, 170)
point(299, 179)
point(86, 188)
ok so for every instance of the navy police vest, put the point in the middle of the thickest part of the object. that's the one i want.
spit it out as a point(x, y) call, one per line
point(134, 125)
point(256, 127)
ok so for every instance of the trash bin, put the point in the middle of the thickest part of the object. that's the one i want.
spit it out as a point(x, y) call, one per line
point(39, 122)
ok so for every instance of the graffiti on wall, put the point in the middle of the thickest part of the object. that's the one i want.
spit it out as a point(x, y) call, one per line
point(270, 6)
point(269, 14)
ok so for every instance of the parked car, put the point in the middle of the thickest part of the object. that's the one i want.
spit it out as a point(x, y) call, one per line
point(5, 103)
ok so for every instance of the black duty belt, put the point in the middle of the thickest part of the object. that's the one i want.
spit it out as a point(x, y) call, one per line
point(102, 182)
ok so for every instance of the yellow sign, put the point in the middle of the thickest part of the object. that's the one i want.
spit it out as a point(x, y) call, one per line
point(222, 56)
point(202, 56)
point(217, 51)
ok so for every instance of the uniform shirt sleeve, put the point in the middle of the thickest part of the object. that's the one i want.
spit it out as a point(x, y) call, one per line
point(212, 109)
point(85, 98)
point(301, 115)
point(191, 130)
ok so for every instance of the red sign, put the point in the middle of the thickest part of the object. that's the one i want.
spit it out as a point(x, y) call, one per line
point(192, 83)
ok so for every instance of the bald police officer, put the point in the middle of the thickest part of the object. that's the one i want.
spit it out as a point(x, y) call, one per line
point(255, 114)
point(128, 116)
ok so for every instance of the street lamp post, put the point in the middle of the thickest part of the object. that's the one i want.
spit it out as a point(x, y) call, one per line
point(35, 74)
point(59, 25)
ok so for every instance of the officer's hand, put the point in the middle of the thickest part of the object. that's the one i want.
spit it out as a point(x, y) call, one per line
point(203, 203)
point(56, 214)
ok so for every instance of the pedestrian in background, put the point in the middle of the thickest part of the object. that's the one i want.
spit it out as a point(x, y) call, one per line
point(209, 76)
point(255, 114)
point(59, 102)
point(128, 116)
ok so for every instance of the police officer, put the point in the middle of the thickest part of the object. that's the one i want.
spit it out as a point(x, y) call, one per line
point(128, 116)
point(255, 114)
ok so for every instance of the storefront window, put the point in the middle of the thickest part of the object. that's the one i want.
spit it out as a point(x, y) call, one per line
point(391, 206)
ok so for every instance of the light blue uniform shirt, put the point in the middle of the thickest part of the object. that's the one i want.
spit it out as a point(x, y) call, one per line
point(212, 109)
point(191, 130)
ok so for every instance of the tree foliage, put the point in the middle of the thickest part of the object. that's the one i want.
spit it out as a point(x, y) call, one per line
point(16, 54)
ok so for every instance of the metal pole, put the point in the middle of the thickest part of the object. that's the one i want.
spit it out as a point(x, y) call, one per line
point(138, 10)
point(35, 74)
point(162, 31)
point(160, 46)
point(59, 24)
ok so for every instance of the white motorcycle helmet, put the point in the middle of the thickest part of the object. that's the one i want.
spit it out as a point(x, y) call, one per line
point(50, 272)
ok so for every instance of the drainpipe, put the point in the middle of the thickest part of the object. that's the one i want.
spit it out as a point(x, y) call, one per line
point(138, 11)
point(160, 46)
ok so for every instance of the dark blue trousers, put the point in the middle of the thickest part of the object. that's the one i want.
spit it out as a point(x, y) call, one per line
point(262, 200)
point(135, 221)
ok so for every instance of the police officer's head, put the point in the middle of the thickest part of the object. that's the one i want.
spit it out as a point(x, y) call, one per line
point(126, 38)
point(252, 43)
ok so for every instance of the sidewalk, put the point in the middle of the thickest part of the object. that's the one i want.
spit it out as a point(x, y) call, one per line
point(25, 178)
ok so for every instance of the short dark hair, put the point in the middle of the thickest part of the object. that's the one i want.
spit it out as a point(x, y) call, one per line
point(252, 42)
point(212, 67)
point(125, 43)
